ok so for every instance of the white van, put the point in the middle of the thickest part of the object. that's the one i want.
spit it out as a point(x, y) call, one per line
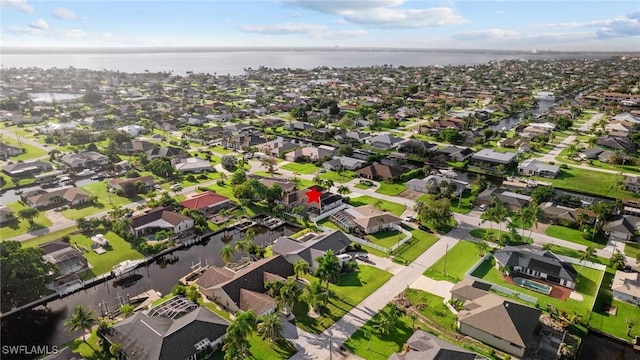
point(343, 258)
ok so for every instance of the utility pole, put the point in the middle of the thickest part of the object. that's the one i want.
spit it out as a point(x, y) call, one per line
point(444, 270)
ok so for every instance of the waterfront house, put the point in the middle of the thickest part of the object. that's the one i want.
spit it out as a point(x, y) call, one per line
point(7, 151)
point(434, 184)
point(145, 337)
point(295, 198)
point(58, 197)
point(343, 162)
point(380, 172)
point(424, 346)
point(506, 325)
point(490, 158)
point(365, 219)
point(632, 183)
point(543, 265)
point(207, 202)
point(160, 219)
point(416, 147)
point(513, 201)
point(192, 164)
point(456, 153)
point(27, 169)
point(623, 229)
point(626, 287)
point(69, 261)
point(84, 160)
point(311, 248)
point(534, 167)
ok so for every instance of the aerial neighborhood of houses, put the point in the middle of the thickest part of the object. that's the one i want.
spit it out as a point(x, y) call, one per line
point(454, 212)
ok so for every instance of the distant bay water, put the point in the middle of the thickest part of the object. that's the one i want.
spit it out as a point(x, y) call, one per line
point(234, 62)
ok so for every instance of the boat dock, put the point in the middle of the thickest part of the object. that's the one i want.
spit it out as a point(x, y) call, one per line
point(271, 222)
point(196, 270)
point(243, 224)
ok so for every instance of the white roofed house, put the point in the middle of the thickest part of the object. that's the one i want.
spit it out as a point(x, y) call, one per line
point(311, 153)
point(488, 158)
point(192, 164)
point(160, 219)
point(534, 167)
point(365, 219)
point(84, 160)
point(626, 287)
point(133, 130)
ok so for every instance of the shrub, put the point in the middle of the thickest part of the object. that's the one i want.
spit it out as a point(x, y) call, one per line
point(132, 174)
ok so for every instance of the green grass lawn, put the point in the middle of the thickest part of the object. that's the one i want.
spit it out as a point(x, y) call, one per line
point(300, 167)
point(221, 150)
point(561, 250)
point(588, 284)
point(118, 251)
point(349, 292)
point(362, 186)
point(263, 350)
point(632, 249)
point(575, 236)
point(384, 205)
point(414, 247)
point(391, 189)
point(30, 151)
point(90, 350)
point(343, 177)
point(20, 226)
point(459, 260)
point(208, 176)
point(104, 202)
point(42, 239)
point(386, 238)
point(588, 181)
point(616, 325)
point(462, 205)
point(479, 234)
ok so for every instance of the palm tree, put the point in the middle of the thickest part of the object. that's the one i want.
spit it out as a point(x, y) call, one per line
point(501, 213)
point(395, 312)
point(236, 343)
point(482, 246)
point(587, 254)
point(535, 214)
point(618, 260)
point(343, 190)
point(490, 216)
point(328, 268)
point(28, 214)
point(240, 246)
point(116, 350)
point(384, 324)
point(615, 158)
point(271, 326)
point(227, 253)
point(300, 268)
point(250, 236)
point(81, 319)
point(316, 296)
point(327, 183)
point(289, 294)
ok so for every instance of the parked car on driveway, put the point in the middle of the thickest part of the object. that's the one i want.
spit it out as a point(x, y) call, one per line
point(175, 187)
point(424, 228)
point(482, 207)
point(362, 256)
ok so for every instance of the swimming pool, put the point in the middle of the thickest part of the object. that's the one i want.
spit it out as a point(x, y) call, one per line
point(533, 285)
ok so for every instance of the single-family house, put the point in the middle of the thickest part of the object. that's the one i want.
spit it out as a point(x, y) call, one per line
point(424, 346)
point(160, 219)
point(543, 265)
point(133, 130)
point(311, 153)
point(276, 148)
point(534, 167)
point(434, 184)
point(144, 337)
point(616, 143)
point(513, 201)
point(416, 147)
point(559, 214)
point(506, 325)
point(378, 171)
point(328, 201)
point(354, 137)
point(491, 158)
point(299, 126)
point(6, 214)
point(286, 185)
point(84, 160)
point(166, 152)
point(207, 202)
point(194, 120)
point(385, 141)
point(58, 197)
point(70, 262)
point(134, 146)
point(456, 153)
point(242, 141)
point(311, 248)
point(51, 128)
point(192, 164)
point(365, 219)
point(626, 287)
point(146, 181)
point(7, 151)
point(27, 168)
point(623, 229)
point(591, 153)
point(632, 183)
point(244, 289)
point(343, 162)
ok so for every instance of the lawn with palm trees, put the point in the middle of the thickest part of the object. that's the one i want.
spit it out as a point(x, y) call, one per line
point(459, 259)
point(348, 292)
point(22, 224)
point(575, 236)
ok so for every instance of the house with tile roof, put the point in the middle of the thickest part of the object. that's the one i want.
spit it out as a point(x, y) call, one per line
point(381, 172)
point(145, 337)
point(494, 320)
point(160, 219)
point(424, 346)
point(244, 289)
point(311, 249)
point(328, 201)
point(623, 229)
point(207, 202)
point(366, 219)
point(626, 287)
point(543, 265)
point(58, 197)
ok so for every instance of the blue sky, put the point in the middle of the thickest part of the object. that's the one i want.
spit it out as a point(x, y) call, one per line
point(508, 24)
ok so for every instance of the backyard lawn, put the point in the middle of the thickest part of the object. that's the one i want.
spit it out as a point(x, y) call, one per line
point(48, 237)
point(459, 259)
point(117, 251)
point(30, 151)
point(104, 202)
point(632, 249)
point(575, 236)
point(588, 181)
point(343, 177)
point(588, 284)
point(479, 234)
point(415, 246)
point(384, 205)
point(386, 238)
point(302, 168)
point(349, 292)
point(391, 189)
point(21, 226)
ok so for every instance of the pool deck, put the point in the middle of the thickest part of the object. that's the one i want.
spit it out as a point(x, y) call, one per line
point(558, 292)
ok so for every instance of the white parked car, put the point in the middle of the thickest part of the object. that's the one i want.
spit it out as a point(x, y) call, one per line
point(175, 187)
point(483, 207)
point(362, 256)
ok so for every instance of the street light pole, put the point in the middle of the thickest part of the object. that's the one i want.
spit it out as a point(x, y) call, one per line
point(444, 270)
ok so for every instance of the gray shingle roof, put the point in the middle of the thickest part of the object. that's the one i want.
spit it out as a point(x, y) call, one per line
point(544, 261)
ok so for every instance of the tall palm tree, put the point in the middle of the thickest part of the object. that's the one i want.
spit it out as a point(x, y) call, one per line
point(490, 216)
point(482, 246)
point(343, 190)
point(316, 296)
point(587, 254)
point(236, 343)
point(271, 326)
point(227, 253)
point(28, 214)
point(81, 319)
point(328, 268)
point(536, 215)
point(384, 324)
point(300, 268)
point(250, 236)
point(289, 294)
point(501, 213)
point(395, 313)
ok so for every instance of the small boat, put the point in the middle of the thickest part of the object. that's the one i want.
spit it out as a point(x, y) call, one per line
point(125, 267)
point(545, 95)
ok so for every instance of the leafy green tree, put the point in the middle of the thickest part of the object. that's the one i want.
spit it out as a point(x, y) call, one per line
point(271, 326)
point(24, 275)
point(328, 268)
point(126, 310)
point(116, 350)
point(81, 319)
point(160, 167)
point(236, 341)
point(316, 296)
point(229, 162)
point(618, 261)
point(28, 214)
point(239, 176)
point(436, 212)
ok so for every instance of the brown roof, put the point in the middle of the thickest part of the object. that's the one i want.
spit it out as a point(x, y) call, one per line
point(377, 170)
point(371, 216)
point(171, 217)
point(258, 302)
point(143, 179)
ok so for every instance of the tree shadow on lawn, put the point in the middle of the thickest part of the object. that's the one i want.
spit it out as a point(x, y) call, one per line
point(398, 334)
point(482, 270)
point(350, 279)
point(13, 224)
point(586, 285)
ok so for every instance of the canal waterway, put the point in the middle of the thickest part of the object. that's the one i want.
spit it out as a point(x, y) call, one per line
point(600, 347)
point(512, 121)
point(10, 195)
point(44, 325)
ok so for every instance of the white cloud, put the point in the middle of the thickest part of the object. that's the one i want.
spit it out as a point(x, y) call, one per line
point(19, 30)
point(312, 30)
point(622, 26)
point(18, 5)
point(383, 14)
point(65, 14)
point(46, 32)
point(39, 24)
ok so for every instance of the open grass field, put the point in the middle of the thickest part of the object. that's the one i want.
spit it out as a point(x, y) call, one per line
point(575, 236)
point(20, 226)
point(588, 284)
point(300, 167)
point(384, 205)
point(117, 251)
point(343, 177)
point(349, 292)
point(386, 238)
point(391, 189)
point(632, 249)
point(459, 259)
point(590, 182)
point(414, 247)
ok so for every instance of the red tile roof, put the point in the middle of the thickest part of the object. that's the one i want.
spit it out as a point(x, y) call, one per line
point(204, 200)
